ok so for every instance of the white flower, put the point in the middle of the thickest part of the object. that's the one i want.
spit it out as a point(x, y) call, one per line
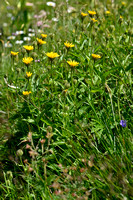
point(9, 15)
point(11, 37)
point(70, 9)
point(50, 3)
point(54, 19)
point(8, 45)
point(27, 38)
point(0, 33)
point(31, 34)
point(19, 32)
point(31, 30)
point(40, 31)
point(19, 41)
point(5, 24)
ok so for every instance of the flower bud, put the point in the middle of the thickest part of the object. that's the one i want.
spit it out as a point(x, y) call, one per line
point(19, 152)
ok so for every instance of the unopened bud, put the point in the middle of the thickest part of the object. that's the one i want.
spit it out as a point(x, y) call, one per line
point(19, 152)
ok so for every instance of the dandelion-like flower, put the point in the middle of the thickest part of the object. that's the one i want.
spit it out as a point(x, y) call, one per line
point(28, 74)
point(95, 56)
point(123, 123)
point(44, 35)
point(123, 3)
point(93, 20)
point(120, 19)
point(68, 45)
point(91, 13)
point(40, 41)
point(52, 55)
point(27, 60)
point(107, 12)
point(26, 93)
point(83, 14)
point(14, 53)
point(28, 47)
point(72, 63)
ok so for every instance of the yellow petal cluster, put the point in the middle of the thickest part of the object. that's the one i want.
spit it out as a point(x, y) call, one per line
point(107, 12)
point(95, 56)
point(14, 53)
point(28, 74)
point(93, 20)
point(52, 55)
point(68, 45)
point(123, 3)
point(26, 93)
point(72, 63)
point(40, 41)
point(83, 14)
point(28, 47)
point(44, 35)
point(27, 60)
point(91, 13)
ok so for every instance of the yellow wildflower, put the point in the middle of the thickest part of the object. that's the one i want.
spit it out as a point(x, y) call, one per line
point(68, 45)
point(83, 14)
point(44, 35)
point(52, 55)
point(95, 56)
point(91, 13)
point(27, 60)
point(26, 93)
point(72, 63)
point(14, 53)
point(28, 48)
point(120, 19)
point(107, 12)
point(28, 74)
point(40, 41)
point(93, 20)
point(123, 3)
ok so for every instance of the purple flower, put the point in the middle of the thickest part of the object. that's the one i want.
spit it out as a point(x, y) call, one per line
point(123, 123)
point(37, 61)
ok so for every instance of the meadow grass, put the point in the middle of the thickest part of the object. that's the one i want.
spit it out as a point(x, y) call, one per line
point(66, 100)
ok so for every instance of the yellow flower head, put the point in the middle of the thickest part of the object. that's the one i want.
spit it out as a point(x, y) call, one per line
point(68, 45)
point(95, 56)
point(120, 19)
point(52, 55)
point(83, 14)
point(72, 63)
point(123, 3)
point(28, 74)
point(27, 60)
point(26, 93)
point(107, 12)
point(44, 35)
point(93, 20)
point(28, 48)
point(40, 41)
point(14, 53)
point(91, 13)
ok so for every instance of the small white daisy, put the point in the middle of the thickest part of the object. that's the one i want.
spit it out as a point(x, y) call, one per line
point(19, 41)
point(26, 38)
point(50, 3)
